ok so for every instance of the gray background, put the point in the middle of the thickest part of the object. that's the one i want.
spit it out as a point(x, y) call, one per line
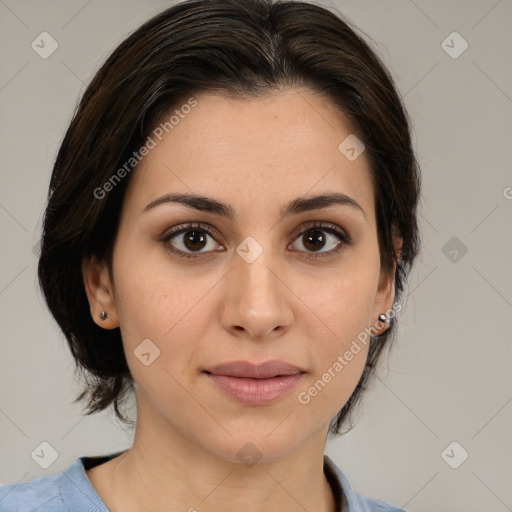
point(447, 379)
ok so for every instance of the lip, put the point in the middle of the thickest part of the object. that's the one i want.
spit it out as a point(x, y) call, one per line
point(255, 384)
point(246, 369)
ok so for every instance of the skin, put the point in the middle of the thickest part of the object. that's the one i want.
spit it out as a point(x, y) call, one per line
point(256, 155)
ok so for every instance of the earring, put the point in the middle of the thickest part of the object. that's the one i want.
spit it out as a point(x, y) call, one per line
point(103, 315)
point(384, 318)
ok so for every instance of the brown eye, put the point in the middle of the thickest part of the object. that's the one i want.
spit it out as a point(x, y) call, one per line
point(314, 240)
point(316, 237)
point(194, 240)
point(191, 240)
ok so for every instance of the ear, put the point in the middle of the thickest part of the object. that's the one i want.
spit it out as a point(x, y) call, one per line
point(386, 290)
point(99, 292)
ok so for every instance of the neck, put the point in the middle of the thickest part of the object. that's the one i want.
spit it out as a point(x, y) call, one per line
point(164, 471)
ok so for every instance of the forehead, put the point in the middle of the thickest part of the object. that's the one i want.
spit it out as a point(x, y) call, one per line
point(251, 152)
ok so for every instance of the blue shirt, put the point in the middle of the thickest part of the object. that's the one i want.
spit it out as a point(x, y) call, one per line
point(71, 491)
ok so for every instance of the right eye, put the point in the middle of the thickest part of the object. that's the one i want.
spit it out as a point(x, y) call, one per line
point(191, 237)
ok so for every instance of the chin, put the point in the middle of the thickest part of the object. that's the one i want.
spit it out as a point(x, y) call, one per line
point(257, 444)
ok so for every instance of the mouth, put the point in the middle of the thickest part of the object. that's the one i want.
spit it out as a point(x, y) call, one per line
point(252, 384)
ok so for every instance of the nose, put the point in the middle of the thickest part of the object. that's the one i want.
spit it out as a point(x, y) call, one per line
point(257, 299)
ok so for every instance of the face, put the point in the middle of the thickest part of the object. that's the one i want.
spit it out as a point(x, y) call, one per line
point(269, 282)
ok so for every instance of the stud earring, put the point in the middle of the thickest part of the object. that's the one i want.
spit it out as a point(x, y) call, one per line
point(103, 315)
point(384, 318)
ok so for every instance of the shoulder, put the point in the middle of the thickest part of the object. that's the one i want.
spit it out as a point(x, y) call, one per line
point(39, 495)
point(373, 505)
point(353, 501)
point(68, 491)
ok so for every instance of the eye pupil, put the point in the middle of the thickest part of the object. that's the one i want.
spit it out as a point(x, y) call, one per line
point(192, 238)
point(312, 237)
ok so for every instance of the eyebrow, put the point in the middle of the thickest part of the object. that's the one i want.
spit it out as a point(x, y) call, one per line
point(294, 207)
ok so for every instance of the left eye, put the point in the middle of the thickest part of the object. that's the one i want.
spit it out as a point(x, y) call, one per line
point(313, 237)
point(193, 237)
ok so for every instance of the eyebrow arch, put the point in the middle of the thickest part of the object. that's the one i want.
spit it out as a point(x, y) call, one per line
point(294, 207)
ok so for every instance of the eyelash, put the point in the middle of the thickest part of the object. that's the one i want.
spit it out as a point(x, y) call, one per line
point(344, 239)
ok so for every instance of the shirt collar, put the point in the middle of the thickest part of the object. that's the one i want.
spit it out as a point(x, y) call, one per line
point(344, 496)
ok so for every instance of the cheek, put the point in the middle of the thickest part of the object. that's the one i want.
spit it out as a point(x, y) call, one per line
point(322, 397)
point(340, 350)
point(339, 310)
point(153, 295)
point(160, 305)
point(168, 305)
point(342, 301)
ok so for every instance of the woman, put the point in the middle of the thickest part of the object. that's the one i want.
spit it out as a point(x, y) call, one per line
point(231, 220)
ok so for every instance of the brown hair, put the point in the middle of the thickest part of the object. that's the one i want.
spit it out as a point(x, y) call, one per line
point(238, 47)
